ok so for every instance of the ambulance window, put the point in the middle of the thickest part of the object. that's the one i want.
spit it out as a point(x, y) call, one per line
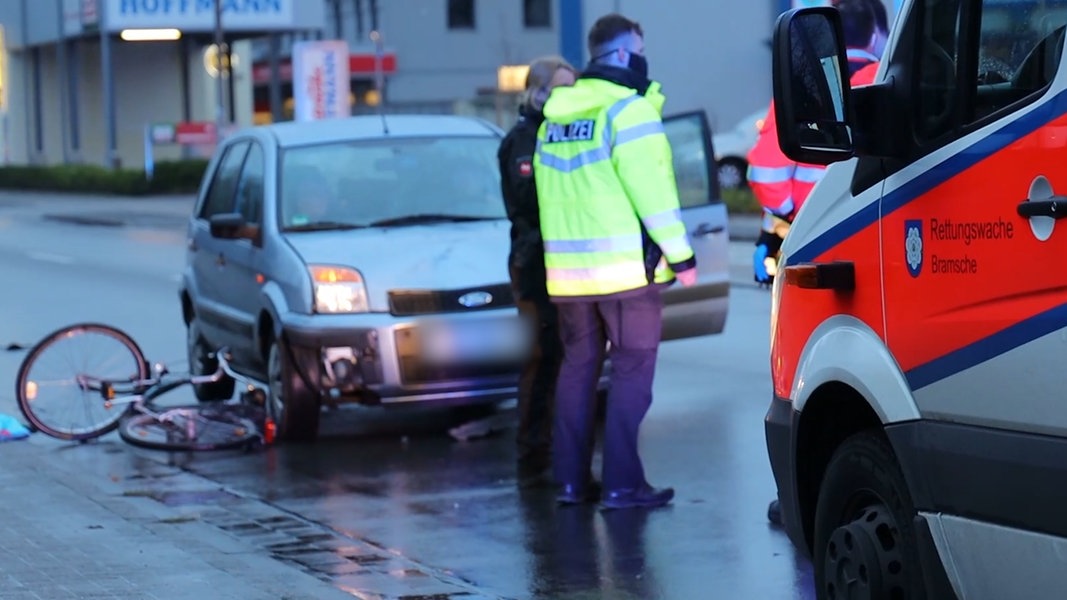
point(936, 110)
point(1020, 44)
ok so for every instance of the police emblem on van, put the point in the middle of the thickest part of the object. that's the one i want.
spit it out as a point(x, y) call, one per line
point(475, 299)
point(913, 246)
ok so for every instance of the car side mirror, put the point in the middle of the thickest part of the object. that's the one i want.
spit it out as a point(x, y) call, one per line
point(228, 225)
point(811, 86)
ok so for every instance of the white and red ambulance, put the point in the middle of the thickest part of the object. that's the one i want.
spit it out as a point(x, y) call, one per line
point(918, 430)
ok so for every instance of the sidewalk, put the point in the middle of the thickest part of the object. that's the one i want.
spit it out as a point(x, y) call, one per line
point(80, 521)
point(70, 534)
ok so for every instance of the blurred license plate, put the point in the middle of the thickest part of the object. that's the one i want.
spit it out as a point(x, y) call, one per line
point(473, 340)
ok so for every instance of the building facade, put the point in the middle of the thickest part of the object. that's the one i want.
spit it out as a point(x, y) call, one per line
point(74, 90)
point(711, 55)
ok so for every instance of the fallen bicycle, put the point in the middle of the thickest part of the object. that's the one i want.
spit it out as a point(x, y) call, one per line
point(85, 380)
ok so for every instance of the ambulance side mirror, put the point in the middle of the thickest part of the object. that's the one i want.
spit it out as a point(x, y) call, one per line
point(811, 87)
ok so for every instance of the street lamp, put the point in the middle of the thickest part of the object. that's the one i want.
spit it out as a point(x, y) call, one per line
point(219, 95)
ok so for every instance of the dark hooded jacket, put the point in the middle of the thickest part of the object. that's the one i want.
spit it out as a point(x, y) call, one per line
point(520, 195)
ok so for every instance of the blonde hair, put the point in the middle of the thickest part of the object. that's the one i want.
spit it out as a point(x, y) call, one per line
point(541, 72)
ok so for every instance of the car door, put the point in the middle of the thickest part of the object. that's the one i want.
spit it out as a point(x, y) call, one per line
point(974, 290)
point(220, 322)
point(244, 257)
point(702, 308)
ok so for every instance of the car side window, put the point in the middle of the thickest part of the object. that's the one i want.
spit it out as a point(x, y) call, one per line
point(693, 157)
point(221, 194)
point(1020, 44)
point(938, 100)
point(250, 187)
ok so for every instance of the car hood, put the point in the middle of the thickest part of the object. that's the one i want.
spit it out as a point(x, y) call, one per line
point(445, 256)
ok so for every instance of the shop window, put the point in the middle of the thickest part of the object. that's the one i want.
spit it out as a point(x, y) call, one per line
point(461, 14)
point(537, 13)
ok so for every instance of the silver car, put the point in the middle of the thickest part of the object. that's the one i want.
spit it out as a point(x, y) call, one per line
point(363, 260)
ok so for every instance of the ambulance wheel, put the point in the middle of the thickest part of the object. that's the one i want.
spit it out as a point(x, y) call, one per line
point(865, 544)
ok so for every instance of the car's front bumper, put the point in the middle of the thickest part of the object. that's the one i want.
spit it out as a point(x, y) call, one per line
point(390, 365)
point(781, 427)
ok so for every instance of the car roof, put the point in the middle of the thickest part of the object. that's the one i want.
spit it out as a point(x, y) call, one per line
point(293, 133)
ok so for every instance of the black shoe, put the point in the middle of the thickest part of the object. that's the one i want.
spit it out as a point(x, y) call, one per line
point(774, 512)
point(642, 497)
point(572, 494)
point(529, 480)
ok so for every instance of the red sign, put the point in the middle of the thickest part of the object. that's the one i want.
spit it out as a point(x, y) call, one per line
point(194, 133)
point(358, 64)
point(90, 14)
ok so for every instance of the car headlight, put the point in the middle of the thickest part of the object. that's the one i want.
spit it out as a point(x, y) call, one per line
point(338, 289)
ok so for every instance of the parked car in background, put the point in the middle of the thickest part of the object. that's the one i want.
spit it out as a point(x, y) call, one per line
point(363, 260)
point(732, 147)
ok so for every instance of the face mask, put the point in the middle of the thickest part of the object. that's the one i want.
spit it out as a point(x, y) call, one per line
point(638, 64)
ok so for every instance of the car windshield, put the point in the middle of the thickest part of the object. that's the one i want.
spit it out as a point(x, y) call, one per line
point(390, 183)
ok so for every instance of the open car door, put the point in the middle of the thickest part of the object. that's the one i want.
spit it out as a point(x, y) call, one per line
point(701, 309)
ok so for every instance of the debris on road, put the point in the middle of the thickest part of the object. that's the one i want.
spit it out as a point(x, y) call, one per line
point(11, 429)
point(486, 427)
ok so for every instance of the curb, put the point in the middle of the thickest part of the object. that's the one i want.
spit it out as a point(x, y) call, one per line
point(85, 220)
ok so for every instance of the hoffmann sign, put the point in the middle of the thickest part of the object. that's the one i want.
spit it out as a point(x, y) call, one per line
point(321, 80)
point(199, 15)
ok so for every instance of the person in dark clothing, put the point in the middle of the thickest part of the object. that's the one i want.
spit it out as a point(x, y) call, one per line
point(526, 265)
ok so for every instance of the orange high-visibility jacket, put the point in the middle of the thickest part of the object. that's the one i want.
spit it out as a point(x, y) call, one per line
point(780, 184)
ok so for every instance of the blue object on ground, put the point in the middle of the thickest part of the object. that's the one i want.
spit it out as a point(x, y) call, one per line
point(11, 429)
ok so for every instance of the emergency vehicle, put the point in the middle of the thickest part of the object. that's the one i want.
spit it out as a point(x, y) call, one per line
point(918, 430)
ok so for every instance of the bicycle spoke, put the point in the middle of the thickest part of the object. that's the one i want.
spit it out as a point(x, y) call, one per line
point(188, 428)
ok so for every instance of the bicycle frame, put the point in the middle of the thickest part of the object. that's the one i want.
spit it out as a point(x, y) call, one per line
point(141, 392)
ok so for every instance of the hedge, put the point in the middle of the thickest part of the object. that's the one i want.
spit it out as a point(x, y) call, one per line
point(170, 177)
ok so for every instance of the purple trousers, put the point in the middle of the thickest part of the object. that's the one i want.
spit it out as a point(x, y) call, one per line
point(633, 325)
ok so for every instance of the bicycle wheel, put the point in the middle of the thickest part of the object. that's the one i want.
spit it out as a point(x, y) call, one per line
point(189, 428)
point(55, 389)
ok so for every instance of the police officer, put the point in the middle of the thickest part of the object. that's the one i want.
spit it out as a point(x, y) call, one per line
point(613, 238)
point(780, 184)
point(526, 264)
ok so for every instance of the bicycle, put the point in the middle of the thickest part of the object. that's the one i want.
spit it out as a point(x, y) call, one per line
point(111, 386)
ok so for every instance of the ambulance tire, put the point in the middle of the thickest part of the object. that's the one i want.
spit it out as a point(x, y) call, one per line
point(865, 543)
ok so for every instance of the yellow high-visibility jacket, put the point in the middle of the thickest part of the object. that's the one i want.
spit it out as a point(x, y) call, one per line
point(606, 189)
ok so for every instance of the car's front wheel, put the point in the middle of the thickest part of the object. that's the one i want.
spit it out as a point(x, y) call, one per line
point(732, 174)
point(202, 361)
point(865, 545)
point(293, 406)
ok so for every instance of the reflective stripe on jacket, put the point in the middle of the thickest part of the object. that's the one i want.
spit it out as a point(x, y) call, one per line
point(779, 183)
point(610, 216)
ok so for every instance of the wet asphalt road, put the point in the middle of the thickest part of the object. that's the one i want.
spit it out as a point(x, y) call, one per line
point(397, 480)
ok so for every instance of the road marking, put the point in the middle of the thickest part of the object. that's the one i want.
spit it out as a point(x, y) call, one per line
point(58, 259)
